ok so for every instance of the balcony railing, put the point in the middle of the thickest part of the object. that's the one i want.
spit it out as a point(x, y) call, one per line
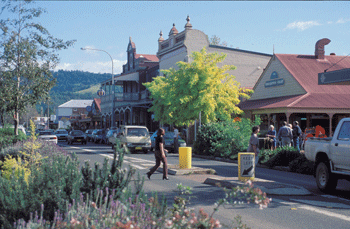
point(136, 96)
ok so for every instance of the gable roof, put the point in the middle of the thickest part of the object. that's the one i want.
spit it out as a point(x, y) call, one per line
point(76, 103)
point(305, 69)
point(147, 57)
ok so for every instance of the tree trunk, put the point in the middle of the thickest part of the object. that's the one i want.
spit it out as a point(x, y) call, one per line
point(16, 122)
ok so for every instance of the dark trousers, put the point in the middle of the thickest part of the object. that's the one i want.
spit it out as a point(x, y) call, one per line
point(159, 159)
point(176, 145)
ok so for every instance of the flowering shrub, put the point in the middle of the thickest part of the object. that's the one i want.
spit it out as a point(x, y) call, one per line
point(139, 211)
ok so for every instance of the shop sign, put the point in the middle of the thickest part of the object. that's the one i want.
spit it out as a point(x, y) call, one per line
point(334, 77)
point(275, 81)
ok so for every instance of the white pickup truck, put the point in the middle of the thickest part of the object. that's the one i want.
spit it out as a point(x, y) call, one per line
point(331, 156)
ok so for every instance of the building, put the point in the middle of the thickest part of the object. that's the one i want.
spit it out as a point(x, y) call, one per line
point(131, 99)
point(289, 90)
point(69, 113)
point(180, 45)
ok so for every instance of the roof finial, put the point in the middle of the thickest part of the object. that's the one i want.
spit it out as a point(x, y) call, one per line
point(161, 37)
point(173, 30)
point(188, 24)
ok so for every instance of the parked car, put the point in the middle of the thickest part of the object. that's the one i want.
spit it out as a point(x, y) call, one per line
point(76, 136)
point(61, 135)
point(98, 136)
point(89, 134)
point(111, 134)
point(135, 138)
point(169, 141)
point(331, 156)
point(48, 135)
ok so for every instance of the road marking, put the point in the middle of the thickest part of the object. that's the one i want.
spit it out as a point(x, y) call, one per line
point(323, 203)
point(327, 213)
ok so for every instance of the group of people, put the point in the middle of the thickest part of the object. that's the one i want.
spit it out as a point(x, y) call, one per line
point(288, 135)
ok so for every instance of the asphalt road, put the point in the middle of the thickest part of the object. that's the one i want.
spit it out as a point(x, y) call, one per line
point(317, 210)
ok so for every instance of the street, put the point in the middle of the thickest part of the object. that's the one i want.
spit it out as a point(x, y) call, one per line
point(317, 210)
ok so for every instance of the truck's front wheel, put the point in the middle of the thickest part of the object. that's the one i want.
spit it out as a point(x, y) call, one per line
point(325, 180)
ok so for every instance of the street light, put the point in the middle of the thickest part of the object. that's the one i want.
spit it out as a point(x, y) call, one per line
point(112, 117)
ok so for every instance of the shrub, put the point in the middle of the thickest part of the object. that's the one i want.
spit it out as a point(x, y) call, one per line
point(8, 138)
point(302, 165)
point(282, 156)
point(224, 139)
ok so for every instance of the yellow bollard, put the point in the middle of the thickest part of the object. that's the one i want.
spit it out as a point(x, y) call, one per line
point(185, 157)
point(246, 166)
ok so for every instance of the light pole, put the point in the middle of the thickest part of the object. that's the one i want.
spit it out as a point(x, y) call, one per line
point(113, 88)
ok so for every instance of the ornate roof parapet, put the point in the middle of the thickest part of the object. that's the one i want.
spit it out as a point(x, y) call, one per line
point(188, 24)
point(173, 30)
point(161, 37)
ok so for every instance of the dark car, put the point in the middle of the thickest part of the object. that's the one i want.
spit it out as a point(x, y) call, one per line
point(61, 135)
point(77, 136)
point(97, 136)
point(169, 141)
point(89, 134)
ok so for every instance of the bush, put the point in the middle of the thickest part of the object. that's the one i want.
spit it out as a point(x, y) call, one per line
point(224, 139)
point(21, 194)
point(8, 138)
point(282, 156)
point(302, 165)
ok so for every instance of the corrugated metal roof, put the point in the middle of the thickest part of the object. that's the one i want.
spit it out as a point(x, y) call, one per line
point(77, 103)
point(305, 69)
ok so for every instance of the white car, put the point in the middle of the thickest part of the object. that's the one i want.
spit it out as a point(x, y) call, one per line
point(47, 135)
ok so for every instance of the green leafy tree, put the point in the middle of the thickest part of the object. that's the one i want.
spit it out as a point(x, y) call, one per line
point(198, 86)
point(27, 53)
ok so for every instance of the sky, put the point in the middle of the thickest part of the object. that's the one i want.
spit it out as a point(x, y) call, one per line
point(288, 27)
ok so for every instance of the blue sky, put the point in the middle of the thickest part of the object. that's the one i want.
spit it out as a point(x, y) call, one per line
point(291, 27)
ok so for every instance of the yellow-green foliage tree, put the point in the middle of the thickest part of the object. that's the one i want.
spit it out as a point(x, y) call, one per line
point(198, 86)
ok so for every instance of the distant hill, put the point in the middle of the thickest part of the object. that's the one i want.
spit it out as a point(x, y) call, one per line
point(73, 85)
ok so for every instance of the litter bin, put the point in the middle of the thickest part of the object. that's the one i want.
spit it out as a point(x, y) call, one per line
point(185, 157)
point(246, 166)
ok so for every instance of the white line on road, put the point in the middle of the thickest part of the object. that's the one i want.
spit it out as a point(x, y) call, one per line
point(324, 212)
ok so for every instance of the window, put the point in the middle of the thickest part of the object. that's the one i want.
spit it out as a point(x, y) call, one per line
point(344, 133)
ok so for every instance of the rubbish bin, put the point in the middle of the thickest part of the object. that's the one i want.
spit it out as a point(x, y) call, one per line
point(185, 157)
point(246, 166)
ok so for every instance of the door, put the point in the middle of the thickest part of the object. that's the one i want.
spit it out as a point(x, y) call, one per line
point(340, 147)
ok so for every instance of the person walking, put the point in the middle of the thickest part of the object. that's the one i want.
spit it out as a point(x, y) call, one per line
point(159, 154)
point(176, 140)
point(271, 134)
point(254, 143)
point(285, 133)
point(296, 134)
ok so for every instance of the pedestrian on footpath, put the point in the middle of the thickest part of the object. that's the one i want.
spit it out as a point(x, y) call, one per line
point(176, 140)
point(159, 154)
point(254, 143)
point(296, 134)
point(285, 134)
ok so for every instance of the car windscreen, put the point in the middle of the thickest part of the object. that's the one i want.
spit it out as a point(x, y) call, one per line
point(61, 132)
point(137, 132)
point(76, 133)
point(45, 133)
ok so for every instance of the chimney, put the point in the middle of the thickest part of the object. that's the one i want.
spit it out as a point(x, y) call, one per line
point(319, 48)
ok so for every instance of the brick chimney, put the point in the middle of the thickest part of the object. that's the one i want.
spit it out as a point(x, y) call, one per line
point(319, 48)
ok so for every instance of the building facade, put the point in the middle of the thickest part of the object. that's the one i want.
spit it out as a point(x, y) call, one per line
point(131, 99)
point(289, 90)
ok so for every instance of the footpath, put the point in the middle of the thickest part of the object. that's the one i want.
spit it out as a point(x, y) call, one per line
point(210, 177)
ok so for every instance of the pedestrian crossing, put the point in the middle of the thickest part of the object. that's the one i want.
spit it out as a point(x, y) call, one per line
point(134, 162)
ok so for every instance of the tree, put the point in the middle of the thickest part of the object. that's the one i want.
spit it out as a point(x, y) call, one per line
point(215, 40)
point(27, 54)
point(199, 86)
